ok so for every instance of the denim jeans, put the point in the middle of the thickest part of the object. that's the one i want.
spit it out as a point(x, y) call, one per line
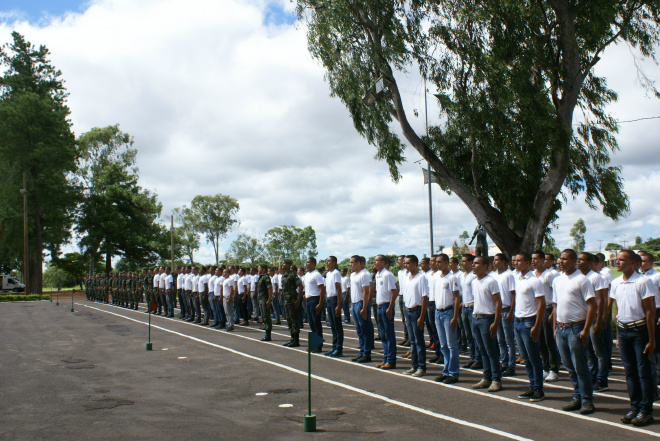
point(229, 312)
point(402, 309)
point(490, 351)
point(346, 306)
point(313, 317)
point(364, 329)
point(386, 330)
point(335, 324)
point(600, 353)
point(466, 318)
point(638, 367)
point(549, 351)
point(416, 338)
point(507, 342)
point(430, 324)
point(448, 342)
point(218, 311)
point(276, 306)
point(574, 357)
point(530, 351)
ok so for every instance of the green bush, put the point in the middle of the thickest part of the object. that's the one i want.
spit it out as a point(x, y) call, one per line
point(23, 298)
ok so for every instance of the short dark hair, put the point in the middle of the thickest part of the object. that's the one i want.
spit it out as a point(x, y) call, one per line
point(425, 260)
point(588, 257)
point(312, 259)
point(538, 253)
point(571, 253)
point(333, 258)
point(503, 256)
point(413, 258)
point(443, 257)
point(551, 256)
point(469, 257)
point(453, 260)
point(525, 256)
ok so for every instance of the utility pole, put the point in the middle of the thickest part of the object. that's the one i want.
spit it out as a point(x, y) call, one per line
point(172, 241)
point(428, 167)
point(25, 236)
point(599, 247)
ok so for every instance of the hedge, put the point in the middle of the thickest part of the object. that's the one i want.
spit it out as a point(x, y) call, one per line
point(23, 297)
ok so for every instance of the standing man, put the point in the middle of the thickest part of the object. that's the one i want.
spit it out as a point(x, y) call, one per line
point(361, 308)
point(292, 289)
point(345, 288)
point(447, 313)
point(202, 289)
point(402, 276)
point(197, 308)
point(529, 311)
point(465, 287)
point(314, 298)
point(168, 292)
point(415, 298)
point(218, 307)
point(264, 293)
point(548, 344)
point(333, 299)
point(505, 335)
point(485, 322)
point(606, 274)
point(635, 321)
point(428, 267)
point(575, 301)
point(227, 297)
point(386, 293)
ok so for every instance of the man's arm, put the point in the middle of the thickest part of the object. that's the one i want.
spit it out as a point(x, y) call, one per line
point(338, 291)
point(390, 309)
point(319, 307)
point(591, 315)
point(540, 312)
point(512, 308)
point(498, 314)
point(422, 315)
point(457, 306)
point(600, 314)
point(366, 293)
point(648, 304)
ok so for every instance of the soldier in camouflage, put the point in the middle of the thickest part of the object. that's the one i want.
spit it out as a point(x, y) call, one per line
point(264, 294)
point(292, 289)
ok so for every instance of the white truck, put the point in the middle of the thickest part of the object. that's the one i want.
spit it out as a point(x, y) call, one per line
point(9, 283)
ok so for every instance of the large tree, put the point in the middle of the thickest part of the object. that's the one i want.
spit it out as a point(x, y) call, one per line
point(35, 138)
point(245, 249)
point(577, 233)
point(117, 216)
point(508, 76)
point(186, 236)
point(214, 217)
point(290, 242)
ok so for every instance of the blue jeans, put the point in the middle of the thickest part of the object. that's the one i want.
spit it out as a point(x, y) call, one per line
point(335, 324)
point(574, 357)
point(466, 318)
point(314, 318)
point(218, 312)
point(416, 338)
point(364, 329)
point(276, 306)
point(490, 352)
point(638, 367)
point(430, 323)
point(507, 342)
point(448, 341)
point(346, 307)
point(600, 351)
point(530, 351)
point(386, 330)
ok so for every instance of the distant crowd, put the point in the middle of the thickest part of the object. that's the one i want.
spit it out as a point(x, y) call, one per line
point(527, 309)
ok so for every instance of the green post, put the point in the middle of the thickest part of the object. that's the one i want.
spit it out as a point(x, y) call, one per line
point(309, 420)
point(57, 299)
point(72, 300)
point(149, 347)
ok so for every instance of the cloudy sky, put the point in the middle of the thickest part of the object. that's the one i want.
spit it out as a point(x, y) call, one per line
point(223, 97)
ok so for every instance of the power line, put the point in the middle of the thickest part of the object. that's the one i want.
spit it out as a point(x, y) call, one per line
point(639, 119)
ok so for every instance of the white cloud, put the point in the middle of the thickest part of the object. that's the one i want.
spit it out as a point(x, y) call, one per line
point(221, 102)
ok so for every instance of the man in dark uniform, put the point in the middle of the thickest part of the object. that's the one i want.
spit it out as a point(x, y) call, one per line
point(147, 280)
point(292, 288)
point(264, 294)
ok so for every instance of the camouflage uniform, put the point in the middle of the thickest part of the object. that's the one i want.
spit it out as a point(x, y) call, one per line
point(290, 284)
point(263, 285)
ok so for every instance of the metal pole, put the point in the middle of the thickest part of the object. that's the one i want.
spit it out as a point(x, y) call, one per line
point(428, 165)
point(26, 272)
point(172, 241)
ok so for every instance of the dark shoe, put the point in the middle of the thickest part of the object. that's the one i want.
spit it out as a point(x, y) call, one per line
point(336, 353)
point(317, 350)
point(440, 378)
point(405, 343)
point(587, 408)
point(573, 405)
point(364, 359)
point(509, 372)
point(601, 386)
point(449, 379)
point(388, 366)
point(356, 358)
point(288, 343)
point(643, 419)
point(266, 337)
point(477, 365)
point(278, 322)
point(206, 323)
point(197, 321)
point(329, 353)
point(527, 394)
point(537, 396)
point(434, 360)
point(469, 364)
point(296, 342)
point(629, 417)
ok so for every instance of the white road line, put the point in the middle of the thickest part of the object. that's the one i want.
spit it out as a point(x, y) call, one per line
point(334, 383)
point(389, 372)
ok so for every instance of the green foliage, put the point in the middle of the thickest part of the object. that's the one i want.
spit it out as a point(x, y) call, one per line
point(214, 217)
point(54, 276)
point(36, 138)
point(186, 236)
point(509, 76)
point(76, 266)
point(577, 233)
point(612, 246)
point(245, 249)
point(650, 245)
point(289, 242)
point(23, 297)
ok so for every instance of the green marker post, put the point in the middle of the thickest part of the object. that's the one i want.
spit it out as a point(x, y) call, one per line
point(149, 347)
point(72, 292)
point(309, 420)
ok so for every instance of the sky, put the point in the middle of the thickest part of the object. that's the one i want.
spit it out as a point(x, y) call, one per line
point(223, 97)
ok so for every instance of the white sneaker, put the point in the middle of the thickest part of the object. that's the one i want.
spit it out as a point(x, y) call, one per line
point(552, 376)
point(545, 374)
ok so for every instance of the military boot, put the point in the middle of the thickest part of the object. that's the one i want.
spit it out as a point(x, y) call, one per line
point(289, 342)
point(266, 337)
point(296, 341)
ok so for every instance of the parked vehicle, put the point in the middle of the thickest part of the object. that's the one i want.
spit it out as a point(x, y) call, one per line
point(9, 283)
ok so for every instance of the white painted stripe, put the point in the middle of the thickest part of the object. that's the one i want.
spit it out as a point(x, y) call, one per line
point(390, 372)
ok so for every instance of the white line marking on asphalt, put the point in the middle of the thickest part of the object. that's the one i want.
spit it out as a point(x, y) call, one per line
point(261, 394)
point(286, 405)
point(415, 408)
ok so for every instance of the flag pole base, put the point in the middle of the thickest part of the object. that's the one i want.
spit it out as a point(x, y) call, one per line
point(149, 347)
point(309, 423)
point(71, 309)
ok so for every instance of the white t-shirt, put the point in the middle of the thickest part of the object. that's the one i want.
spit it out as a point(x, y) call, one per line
point(385, 283)
point(253, 282)
point(227, 288)
point(628, 295)
point(655, 282)
point(345, 284)
point(483, 290)
point(195, 280)
point(313, 282)
point(415, 289)
point(201, 282)
point(179, 281)
point(429, 280)
point(570, 293)
point(275, 281)
point(465, 287)
point(597, 282)
point(403, 278)
point(156, 280)
point(546, 278)
point(528, 288)
point(445, 286)
point(507, 284)
point(187, 281)
point(606, 274)
point(212, 281)
point(358, 281)
point(217, 289)
point(241, 284)
point(331, 279)
point(168, 281)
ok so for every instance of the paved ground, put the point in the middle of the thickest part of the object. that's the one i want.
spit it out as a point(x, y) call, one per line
point(87, 375)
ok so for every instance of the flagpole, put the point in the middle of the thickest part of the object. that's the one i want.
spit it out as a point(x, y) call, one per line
point(428, 165)
point(309, 420)
point(149, 347)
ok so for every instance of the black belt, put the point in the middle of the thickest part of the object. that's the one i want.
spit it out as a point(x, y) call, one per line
point(481, 316)
point(445, 309)
point(570, 324)
point(631, 325)
point(416, 308)
point(506, 309)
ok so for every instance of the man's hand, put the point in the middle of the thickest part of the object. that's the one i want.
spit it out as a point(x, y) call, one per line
point(420, 323)
point(453, 323)
point(363, 313)
point(389, 313)
point(338, 310)
point(318, 309)
point(493, 330)
point(534, 333)
point(584, 336)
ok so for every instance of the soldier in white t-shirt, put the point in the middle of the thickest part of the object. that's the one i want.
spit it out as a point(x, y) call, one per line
point(402, 276)
point(361, 308)
point(505, 334)
point(386, 294)
point(345, 289)
point(575, 311)
point(549, 353)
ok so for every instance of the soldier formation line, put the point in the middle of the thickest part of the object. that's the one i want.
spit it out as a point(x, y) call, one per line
point(498, 310)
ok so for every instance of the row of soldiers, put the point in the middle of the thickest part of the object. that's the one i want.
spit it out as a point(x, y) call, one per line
point(123, 289)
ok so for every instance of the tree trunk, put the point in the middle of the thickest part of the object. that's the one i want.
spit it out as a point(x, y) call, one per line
point(35, 267)
point(108, 262)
